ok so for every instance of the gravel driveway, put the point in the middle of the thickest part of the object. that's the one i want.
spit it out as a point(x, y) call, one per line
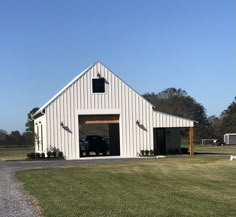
point(13, 201)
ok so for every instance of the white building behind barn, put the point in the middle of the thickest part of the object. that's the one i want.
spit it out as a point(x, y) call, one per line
point(230, 138)
point(98, 99)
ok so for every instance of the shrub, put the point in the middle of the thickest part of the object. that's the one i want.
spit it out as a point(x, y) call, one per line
point(31, 155)
point(147, 152)
point(151, 152)
point(49, 154)
point(43, 155)
point(37, 155)
point(60, 154)
point(54, 153)
point(142, 152)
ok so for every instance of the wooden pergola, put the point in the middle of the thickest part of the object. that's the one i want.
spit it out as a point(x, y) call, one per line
point(191, 145)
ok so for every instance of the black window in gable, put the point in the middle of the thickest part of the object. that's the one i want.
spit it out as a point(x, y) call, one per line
point(98, 85)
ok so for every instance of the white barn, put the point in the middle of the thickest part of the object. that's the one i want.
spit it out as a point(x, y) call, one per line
point(97, 98)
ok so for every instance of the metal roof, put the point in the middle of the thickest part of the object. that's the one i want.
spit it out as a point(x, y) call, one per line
point(62, 90)
point(175, 116)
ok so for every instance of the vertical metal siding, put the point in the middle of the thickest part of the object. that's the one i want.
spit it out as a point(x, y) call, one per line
point(60, 114)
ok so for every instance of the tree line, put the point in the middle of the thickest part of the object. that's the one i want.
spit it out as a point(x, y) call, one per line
point(15, 138)
point(178, 102)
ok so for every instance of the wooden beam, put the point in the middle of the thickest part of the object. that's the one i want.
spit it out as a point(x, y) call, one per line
point(102, 122)
point(191, 146)
point(98, 119)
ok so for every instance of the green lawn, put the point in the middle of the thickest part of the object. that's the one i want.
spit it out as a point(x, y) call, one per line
point(15, 153)
point(217, 150)
point(198, 186)
point(212, 149)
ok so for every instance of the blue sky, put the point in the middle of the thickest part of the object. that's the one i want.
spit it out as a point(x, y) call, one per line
point(151, 44)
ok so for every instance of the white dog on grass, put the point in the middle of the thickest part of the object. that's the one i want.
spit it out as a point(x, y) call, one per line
point(233, 157)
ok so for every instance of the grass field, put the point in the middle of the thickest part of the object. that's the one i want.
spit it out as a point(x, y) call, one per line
point(178, 186)
point(215, 150)
point(15, 153)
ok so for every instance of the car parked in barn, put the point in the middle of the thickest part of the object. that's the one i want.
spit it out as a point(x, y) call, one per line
point(95, 144)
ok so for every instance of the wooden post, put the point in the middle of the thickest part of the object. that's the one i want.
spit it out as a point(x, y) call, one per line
point(191, 149)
